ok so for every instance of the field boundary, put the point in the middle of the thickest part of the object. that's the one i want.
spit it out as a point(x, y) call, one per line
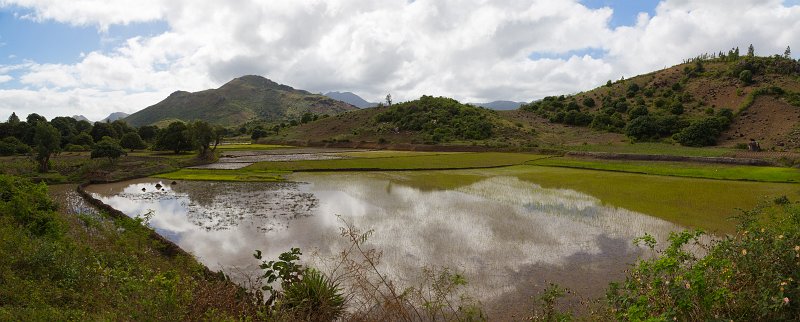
point(676, 158)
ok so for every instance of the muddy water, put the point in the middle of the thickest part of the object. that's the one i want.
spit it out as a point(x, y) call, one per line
point(508, 237)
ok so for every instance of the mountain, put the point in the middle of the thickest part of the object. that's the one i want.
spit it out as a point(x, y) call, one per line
point(243, 99)
point(500, 105)
point(114, 116)
point(350, 98)
point(80, 118)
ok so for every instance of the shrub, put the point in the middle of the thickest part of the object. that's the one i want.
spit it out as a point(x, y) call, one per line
point(746, 76)
point(703, 132)
point(749, 276)
point(588, 102)
point(313, 298)
point(132, 141)
point(107, 148)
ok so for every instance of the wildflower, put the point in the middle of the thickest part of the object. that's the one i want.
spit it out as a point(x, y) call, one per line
point(785, 300)
point(744, 252)
point(797, 248)
point(783, 283)
point(688, 286)
point(780, 236)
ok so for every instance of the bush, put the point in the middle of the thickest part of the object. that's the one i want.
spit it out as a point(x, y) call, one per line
point(445, 119)
point(703, 132)
point(746, 76)
point(749, 276)
point(107, 148)
point(588, 102)
point(132, 141)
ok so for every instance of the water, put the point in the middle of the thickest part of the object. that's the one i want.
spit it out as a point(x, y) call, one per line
point(509, 237)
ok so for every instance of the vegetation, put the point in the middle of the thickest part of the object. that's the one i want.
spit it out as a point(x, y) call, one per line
point(439, 161)
point(441, 119)
point(652, 108)
point(85, 267)
point(107, 148)
point(680, 169)
point(240, 100)
point(242, 175)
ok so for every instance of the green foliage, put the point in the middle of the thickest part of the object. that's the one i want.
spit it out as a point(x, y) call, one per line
point(651, 127)
point(107, 148)
point(48, 141)
point(148, 132)
point(82, 138)
point(12, 145)
point(589, 102)
point(258, 133)
point(304, 294)
point(132, 141)
point(442, 119)
point(746, 76)
point(27, 205)
point(176, 137)
point(703, 132)
point(204, 134)
point(314, 298)
point(751, 275)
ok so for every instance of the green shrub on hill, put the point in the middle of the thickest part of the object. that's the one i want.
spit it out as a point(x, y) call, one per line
point(442, 119)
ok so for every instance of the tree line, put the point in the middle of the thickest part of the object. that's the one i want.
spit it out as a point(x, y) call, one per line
point(42, 139)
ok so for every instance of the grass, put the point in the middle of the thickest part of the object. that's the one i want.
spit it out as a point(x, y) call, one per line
point(225, 175)
point(653, 148)
point(679, 169)
point(691, 202)
point(392, 154)
point(412, 162)
point(250, 147)
point(62, 266)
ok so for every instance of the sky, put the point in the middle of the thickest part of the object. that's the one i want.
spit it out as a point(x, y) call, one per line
point(95, 57)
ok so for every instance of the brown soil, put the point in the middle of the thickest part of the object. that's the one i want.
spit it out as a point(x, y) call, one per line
point(770, 121)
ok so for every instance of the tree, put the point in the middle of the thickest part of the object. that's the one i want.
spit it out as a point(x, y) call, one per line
point(258, 133)
point(34, 118)
point(148, 132)
point(132, 141)
point(389, 99)
point(204, 134)
point(787, 53)
point(99, 130)
point(107, 148)
point(746, 76)
point(176, 137)
point(48, 141)
point(307, 117)
point(751, 51)
point(82, 139)
point(13, 119)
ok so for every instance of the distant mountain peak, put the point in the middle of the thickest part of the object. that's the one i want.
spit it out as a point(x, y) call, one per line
point(350, 98)
point(115, 116)
point(500, 105)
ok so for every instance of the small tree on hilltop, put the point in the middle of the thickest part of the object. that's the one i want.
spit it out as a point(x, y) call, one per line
point(787, 53)
point(107, 148)
point(48, 142)
point(751, 51)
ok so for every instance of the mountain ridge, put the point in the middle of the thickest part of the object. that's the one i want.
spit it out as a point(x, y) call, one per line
point(243, 99)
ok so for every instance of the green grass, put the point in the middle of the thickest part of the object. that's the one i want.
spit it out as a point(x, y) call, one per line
point(437, 161)
point(679, 169)
point(392, 154)
point(653, 148)
point(250, 147)
point(225, 175)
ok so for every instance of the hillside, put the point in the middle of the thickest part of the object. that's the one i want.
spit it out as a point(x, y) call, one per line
point(241, 100)
point(714, 100)
point(430, 120)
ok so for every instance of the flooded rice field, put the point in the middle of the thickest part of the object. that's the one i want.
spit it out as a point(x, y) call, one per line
point(239, 159)
point(509, 237)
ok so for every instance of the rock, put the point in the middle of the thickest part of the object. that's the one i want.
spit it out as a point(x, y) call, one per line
point(158, 186)
point(174, 183)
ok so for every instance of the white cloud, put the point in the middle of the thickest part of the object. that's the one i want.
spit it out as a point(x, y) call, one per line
point(5, 78)
point(472, 50)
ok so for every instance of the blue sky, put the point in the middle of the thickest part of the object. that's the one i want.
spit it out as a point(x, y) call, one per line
point(72, 57)
point(625, 11)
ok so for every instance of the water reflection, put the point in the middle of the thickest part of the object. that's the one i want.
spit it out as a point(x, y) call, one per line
point(504, 234)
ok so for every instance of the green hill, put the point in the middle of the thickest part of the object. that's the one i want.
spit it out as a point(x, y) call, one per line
point(428, 119)
point(243, 99)
point(710, 100)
